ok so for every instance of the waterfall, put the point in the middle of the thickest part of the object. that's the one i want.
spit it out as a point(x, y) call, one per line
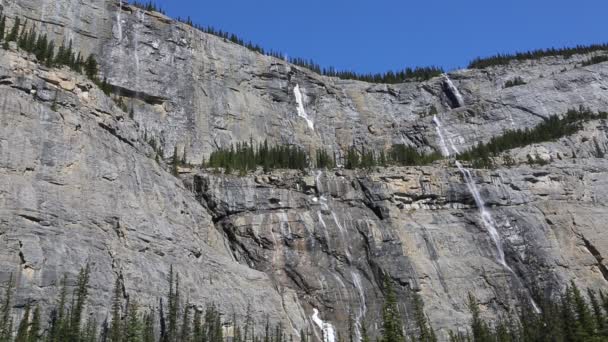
point(141, 18)
point(362, 307)
point(486, 217)
point(457, 95)
point(119, 21)
point(318, 181)
point(301, 111)
point(329, 333)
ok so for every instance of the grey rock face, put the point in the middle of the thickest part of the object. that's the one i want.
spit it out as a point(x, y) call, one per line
point(79, 184)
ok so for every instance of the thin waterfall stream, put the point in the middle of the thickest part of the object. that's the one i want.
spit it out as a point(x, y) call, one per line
point(486, 217)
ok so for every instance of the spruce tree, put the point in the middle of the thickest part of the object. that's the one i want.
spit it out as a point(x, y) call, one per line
point(90, 330)
point(133, 326)
point(2, 26)
point(186, 333)
point(50, 54)
point(173, 302)
point(81, 294)
point(392, 328)
point(91, 68)
point(115, 333)
point(163, 323)
point(6, 321)
point(14, 34)
point(148, 333)
point(197, 329)
point(425, 332)
point(58, 330)
point(479, 328)
point(34, 330)
point(22, 330)
point(586, 324)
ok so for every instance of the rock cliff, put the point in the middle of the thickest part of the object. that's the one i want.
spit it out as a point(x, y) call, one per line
point(80, 184)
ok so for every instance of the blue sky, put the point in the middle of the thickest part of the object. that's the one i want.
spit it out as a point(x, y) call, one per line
point(378, 35)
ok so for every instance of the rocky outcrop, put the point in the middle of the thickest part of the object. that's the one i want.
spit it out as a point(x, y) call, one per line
point(80, 184)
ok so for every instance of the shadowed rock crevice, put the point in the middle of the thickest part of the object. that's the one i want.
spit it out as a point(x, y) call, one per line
point(597, 255)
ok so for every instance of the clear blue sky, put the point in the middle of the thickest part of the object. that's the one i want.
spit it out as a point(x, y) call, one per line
point(378, 35)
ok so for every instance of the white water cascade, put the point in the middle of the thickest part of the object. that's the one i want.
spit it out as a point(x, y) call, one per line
point(141, 16)
point(119, 21)
point(362, 307)
point(301, 111)
point(486, 217)
point(329, 333)
point(454, 90)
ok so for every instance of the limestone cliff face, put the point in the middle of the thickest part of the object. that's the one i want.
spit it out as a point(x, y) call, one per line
point(78, 182)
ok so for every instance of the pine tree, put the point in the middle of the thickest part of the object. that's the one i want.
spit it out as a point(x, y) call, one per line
point(34, 330)
point(6, 321)
point(2, 26)
point(148, 334)
point(115, 333)
point(14, 34)
point(569, 323)
point(81, 294)
point(90, 330)
point(586, 324)
point(479, 328)
point(175, 162)
point(91, 68)
point(133, 327)
point(392, 329)
point(22, 330)
point(163, 324)
point(58, 331)
point(173, 302)
point(425, 332)
point(50, 54)
point(198, 332)
point(186, 333)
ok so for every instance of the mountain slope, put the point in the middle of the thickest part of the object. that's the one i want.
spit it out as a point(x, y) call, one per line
point(80, 183)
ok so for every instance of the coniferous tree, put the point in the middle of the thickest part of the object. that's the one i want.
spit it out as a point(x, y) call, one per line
point(163, 323)
point(50, 54)
point(392, 328)
point(186, 332)
point(90, 330)
point(425, 331)
point(133, 326)
point(585, 329)
point(23, 329)
point(58, 331)
point(81, 294)
point(33, 333)
point(173, 300)
point(479, 328)
point(91, 68)
point(175, 162)
point(6, 321)
point(598, 315)
point(2, 26)
point(148, 330)
point(14, 33)
point(197, 327)
point(115, 332)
